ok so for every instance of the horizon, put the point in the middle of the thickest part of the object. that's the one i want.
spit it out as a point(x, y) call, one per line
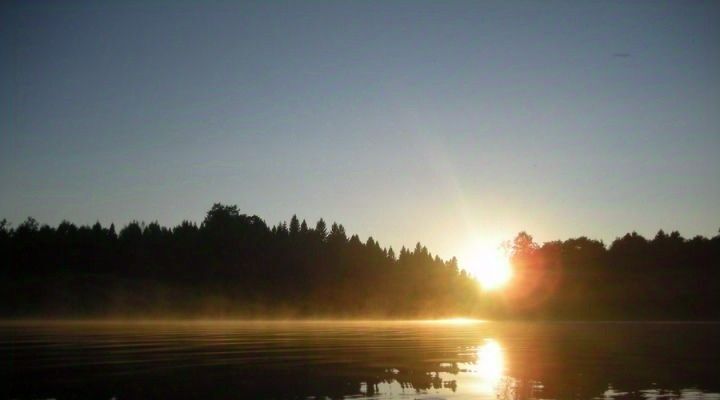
point(236, 266)
point(467, 261)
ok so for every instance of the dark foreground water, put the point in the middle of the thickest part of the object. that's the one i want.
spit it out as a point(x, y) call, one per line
point(403, 360)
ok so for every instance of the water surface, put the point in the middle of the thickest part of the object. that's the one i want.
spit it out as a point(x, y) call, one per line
point(331, 359)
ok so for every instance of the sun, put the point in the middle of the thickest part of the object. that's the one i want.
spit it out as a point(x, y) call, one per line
point(489, 264)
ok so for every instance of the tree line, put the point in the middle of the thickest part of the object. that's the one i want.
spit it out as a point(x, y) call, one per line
point(667, 277)
point(232, 264)
point(236, 265)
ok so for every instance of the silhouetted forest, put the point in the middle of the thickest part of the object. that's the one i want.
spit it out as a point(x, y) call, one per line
point(667, 277)
point(234, 264)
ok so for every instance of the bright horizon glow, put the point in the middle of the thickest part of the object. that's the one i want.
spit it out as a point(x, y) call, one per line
point(487, 263)
point(456, 321)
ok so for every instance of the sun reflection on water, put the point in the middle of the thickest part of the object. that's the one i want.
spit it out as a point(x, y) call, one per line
point(489, 367)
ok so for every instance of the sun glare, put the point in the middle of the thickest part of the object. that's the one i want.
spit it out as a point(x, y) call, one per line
point(488, 371)
point(488, 264)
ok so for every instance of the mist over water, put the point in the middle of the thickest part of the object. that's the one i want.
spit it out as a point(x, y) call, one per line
point(359, 359)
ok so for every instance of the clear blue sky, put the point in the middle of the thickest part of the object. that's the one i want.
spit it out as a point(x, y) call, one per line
point(430, 121)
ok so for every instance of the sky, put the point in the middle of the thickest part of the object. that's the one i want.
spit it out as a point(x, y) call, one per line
point(445, 122)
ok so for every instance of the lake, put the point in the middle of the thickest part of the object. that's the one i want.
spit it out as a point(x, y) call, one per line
point(359, 359)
